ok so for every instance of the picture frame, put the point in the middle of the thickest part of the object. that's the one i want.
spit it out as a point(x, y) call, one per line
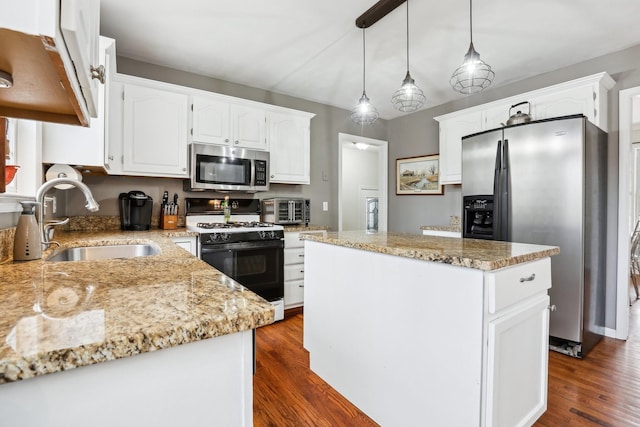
point(418, 176)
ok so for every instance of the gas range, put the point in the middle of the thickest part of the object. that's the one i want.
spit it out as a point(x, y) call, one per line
point(247, 250)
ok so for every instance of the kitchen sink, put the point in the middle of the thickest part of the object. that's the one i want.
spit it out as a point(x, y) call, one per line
point(88, 253)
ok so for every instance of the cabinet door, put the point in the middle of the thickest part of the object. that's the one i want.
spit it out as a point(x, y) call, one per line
point(577, 100)
point(76, 145)
point(79, 24)
point(248, 127)
point(290, 148)
point(188, 243)
point(517, 365)
point(155, 132)
point(451, 132)
point(210, 120)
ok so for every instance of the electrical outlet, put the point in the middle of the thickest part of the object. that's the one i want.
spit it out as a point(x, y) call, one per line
point(325, 206)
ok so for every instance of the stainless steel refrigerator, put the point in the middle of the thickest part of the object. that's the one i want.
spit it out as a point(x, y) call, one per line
point(544, 182)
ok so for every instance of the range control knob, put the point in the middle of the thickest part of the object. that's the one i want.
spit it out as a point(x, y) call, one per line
point(262, 234)
point(272, 234)
point(224, 236)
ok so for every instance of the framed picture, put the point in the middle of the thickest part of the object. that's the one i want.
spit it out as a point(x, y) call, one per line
point(418, 175)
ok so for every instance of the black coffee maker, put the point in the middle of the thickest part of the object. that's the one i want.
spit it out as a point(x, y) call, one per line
point(135, 210)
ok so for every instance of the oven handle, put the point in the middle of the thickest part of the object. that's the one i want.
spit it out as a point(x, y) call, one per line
point(261, 244)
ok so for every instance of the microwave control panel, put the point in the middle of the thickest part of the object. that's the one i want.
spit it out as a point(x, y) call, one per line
point(261, 172)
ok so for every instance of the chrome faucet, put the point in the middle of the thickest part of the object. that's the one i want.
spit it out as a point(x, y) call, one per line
point(91, 205)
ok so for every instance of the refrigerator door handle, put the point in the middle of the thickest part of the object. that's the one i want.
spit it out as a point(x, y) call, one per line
point(503, 227)
point(496, 171)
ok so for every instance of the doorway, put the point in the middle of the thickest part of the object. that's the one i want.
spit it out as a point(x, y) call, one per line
point(629, 132)
point(362, 178)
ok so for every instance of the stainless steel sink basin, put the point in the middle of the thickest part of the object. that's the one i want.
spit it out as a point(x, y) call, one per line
point(103, 252)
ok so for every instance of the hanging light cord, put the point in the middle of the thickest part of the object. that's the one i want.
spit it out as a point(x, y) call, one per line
point(407, 35)
point(364, 62)
point(470, 21)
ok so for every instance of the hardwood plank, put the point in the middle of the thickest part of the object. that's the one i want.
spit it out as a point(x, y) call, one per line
point(601, 390)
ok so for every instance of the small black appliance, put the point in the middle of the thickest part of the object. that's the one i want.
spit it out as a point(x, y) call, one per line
point(135, 210)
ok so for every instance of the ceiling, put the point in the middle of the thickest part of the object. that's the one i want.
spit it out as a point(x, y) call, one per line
point(313, 50)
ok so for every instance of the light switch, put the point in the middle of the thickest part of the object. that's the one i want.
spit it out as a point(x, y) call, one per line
point(325, 206)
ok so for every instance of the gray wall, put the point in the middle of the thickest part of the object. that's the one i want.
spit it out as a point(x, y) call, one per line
point(325, 126)
point(417, 134)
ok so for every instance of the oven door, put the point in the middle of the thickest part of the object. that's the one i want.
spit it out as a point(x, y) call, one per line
point(259, 266)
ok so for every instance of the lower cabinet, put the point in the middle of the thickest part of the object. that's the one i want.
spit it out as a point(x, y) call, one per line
point(517, 343)
point(188, 243)
point(294, 268)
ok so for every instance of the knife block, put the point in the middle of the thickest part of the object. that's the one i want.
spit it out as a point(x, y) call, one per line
point(168, 222)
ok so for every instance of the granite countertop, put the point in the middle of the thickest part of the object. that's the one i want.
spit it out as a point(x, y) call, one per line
point(471, 253)
point(62, 315)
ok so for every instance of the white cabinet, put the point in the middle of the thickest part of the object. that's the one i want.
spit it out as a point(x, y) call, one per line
point(290, 147)
point(587, 96)
point(219, 121)
point(294, 268)
point(154, 130)
point(517, 363)
point(54, 46)
point(516, 317)
point(188, 243)
point(451, 133)
point(442, 233)
point(76, 145)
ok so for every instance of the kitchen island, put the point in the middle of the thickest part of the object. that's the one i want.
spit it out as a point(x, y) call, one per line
point(159, 340)
point(424, 330)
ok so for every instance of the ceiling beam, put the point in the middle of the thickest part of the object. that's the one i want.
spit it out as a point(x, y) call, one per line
point(377, 12)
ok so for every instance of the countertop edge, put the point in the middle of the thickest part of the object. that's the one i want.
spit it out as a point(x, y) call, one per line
point(425, 254)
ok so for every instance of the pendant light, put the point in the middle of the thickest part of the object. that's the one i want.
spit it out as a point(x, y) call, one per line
point(474, 74)
point(409, 97)
point(364, 113)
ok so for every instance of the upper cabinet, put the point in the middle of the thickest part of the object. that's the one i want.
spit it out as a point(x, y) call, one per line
point(154, 131)
point(587, 96)
point(290, 147)
point(81, 146)
point(216, 120)
point(51, 50)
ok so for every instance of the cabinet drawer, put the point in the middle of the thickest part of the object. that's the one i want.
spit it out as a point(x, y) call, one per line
point(293, 293)
point(294, 256)
point(510, 285)
point(293, 272)
point(292, 240)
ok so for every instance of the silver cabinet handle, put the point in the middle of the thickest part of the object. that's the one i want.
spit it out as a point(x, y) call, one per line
point(237, 142)
point(552, 307)
point(528, 279)
point(98, 73)
point(111, 157)
point(300, 255)
point(301, 286)
point(301, 271)
point(226, 140)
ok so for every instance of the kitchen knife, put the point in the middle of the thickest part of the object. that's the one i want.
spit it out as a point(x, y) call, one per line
point(165, 198)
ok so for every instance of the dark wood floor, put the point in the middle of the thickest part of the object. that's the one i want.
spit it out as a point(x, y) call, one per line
point(601, 390)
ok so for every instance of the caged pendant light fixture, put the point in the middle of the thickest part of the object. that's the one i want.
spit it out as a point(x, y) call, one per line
point(364, 113)
point(409, 97)
point(474, 74)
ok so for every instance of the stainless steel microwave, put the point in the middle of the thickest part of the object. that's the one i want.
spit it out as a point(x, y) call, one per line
point(280, 210)
point(221, 168)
